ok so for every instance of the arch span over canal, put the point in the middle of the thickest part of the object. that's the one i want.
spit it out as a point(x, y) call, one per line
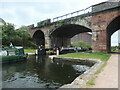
point(61, 36)
point(39, 38)
point(102, 21)
point(113, 26)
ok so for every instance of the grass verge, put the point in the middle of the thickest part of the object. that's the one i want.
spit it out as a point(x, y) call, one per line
point(34, 51)
point(30, 50)
point(91, 81)
point(102, 56)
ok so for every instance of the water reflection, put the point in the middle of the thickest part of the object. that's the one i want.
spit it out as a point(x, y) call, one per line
point(40, 72)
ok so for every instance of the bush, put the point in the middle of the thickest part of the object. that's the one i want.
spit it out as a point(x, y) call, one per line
point(81, 44)
point(19, 37)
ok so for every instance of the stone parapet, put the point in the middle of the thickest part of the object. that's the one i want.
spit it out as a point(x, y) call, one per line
point(104, 6)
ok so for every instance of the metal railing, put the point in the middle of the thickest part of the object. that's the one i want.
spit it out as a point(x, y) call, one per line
point(73, 14)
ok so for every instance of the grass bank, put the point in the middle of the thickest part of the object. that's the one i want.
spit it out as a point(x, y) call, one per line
point(115, 50)
point(34, 51)
point(30, 50)
point(102, 56)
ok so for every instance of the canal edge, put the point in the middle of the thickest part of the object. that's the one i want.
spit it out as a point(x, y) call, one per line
point(81, 80)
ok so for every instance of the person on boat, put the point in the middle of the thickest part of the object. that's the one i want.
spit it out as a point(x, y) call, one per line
point(11, 45)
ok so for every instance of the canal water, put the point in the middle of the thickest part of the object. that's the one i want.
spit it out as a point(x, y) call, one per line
point(40, 72)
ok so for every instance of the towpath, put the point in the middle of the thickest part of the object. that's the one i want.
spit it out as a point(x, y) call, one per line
point(108, 78)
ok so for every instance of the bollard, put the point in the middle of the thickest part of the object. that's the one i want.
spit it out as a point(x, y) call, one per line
point(57, 52)
point(36, 53)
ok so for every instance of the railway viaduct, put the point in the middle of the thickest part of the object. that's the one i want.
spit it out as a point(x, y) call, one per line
point(102, 20)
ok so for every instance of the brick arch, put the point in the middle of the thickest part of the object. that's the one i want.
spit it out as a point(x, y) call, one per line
point(32, 31)
point(61, 35)
point(82, 21)
point(39, 38)
point(100, 22)
point(113, 26)
point(69, 30)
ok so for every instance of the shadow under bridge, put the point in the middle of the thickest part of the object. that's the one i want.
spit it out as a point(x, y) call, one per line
point(62, 35)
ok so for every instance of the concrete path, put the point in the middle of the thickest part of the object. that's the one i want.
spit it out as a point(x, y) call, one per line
point(108, 78)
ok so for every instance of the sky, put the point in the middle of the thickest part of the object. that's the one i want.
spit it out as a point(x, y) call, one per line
point(27, 12)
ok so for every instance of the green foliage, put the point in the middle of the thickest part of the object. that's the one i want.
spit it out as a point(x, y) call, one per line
point(91, 82)
point(43, 23)
point(81, 18)
point(99, 70)
point(50, 51)
point(101, 56)
point(18, 37)
point(81, 44)
point(24, 28)
point(34, 51)
point(8, 33)
point(50, 31)
point(89, 23)
point(62, 22)
point(8, 27)
point(115, 49)
point(74, 19)
point(30, 26)
point(30, 50)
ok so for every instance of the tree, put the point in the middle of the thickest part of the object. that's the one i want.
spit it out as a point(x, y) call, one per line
point(25, 37)
point(81, 44)
point(24, 28)
point(23, 34)
point(8, 27)
point(19, 37)
point(8, 31)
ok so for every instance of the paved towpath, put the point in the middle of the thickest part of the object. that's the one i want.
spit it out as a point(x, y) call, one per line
point(108, 78)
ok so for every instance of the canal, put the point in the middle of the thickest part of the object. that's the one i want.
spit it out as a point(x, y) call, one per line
point(40, 72)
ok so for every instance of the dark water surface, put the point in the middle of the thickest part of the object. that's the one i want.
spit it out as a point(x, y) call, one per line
point(40, 72)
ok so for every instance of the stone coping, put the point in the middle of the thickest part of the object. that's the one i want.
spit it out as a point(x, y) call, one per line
point(81, 80)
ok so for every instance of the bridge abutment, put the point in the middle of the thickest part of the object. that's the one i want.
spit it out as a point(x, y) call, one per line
point(47, 41)
point(99, 42)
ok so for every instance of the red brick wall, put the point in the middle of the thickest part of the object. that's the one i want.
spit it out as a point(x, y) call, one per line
point(99, 24)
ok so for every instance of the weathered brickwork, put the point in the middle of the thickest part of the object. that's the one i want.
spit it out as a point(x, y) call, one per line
point(97, 23)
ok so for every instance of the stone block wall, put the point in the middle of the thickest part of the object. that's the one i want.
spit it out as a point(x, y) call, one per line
point(104, 6)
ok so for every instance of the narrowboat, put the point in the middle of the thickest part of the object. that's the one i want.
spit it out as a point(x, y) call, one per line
point(12, 54)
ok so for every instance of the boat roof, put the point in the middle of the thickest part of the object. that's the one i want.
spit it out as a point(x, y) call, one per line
point(19, 47)
point(16, 47)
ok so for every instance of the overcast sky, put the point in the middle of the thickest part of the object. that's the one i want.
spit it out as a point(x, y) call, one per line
point(26, 12)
